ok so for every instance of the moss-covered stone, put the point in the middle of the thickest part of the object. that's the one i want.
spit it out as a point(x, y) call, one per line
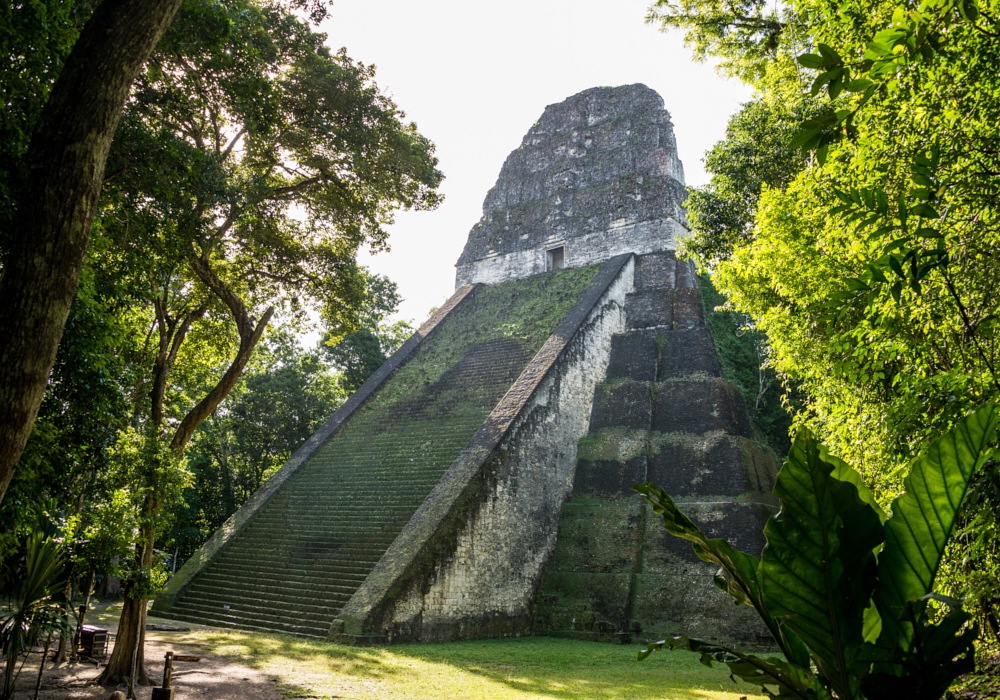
point(599, 535)
point(309, 547)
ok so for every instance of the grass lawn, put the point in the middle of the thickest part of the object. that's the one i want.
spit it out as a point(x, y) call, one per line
point(502, 669)
point(532, 667)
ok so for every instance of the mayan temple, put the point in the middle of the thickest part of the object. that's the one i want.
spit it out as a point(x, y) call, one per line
point(478, 484)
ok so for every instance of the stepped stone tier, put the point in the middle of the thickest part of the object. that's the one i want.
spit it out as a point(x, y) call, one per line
point(477, 485)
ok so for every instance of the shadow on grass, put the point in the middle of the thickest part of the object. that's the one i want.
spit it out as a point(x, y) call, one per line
point(504, 668)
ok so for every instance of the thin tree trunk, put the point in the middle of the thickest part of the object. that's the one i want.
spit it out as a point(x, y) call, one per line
point(83, 612)
point(60, 656)
point(41, 665)
point(130, 643)
point(57, 202)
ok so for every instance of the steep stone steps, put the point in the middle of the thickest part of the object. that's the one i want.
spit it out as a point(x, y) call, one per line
point(306, 550)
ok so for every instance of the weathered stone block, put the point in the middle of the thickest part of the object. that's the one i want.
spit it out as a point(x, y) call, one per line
point(741, 524)
point(633, 356)
point(688, 353)
point(599, 534)
point(690, 604)
point(583, 606)
point(649, 309)
point(699, 407)
point(687, 465)
point(688, 310)
point(761, 467)
point(655, 271)
point(609, 476)
point(687, 276)
point(623, 403)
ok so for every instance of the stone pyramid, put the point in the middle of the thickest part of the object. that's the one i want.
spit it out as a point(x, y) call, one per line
point(477, 485)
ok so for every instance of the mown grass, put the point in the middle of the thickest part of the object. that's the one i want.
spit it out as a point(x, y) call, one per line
point(534, 667)
point(502, 669)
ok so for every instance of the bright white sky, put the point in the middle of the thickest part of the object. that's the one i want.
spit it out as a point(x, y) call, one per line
point(475, 76)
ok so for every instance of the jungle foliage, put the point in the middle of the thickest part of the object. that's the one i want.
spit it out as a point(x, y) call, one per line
point(869, 264)
point(250, 165)
point(846, 591)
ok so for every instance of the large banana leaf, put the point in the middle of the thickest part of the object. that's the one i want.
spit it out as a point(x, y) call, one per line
point(790, 680)
point(923, 518)
point(818, 568)
point(741, 579)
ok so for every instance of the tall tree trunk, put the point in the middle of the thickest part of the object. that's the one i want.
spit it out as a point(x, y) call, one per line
point(130, 642)
point(130, 645)
point(56, 205)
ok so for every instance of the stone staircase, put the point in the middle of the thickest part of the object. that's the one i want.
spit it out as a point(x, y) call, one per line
point(664, 413)
point(310, 546)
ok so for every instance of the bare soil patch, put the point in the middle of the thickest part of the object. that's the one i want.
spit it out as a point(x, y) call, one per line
point(212, 678)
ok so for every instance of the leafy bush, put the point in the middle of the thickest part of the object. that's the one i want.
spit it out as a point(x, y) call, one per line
point(845, 590)
point(36, 613)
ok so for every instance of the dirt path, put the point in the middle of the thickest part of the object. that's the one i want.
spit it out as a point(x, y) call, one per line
point(212, 678)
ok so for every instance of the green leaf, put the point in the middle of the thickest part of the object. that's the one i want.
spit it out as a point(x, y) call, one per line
point(830, 56)
point(896, 267)
point(858, 85)
point(792, 681)
point(845, 472)
point(821, 153)
point(926, 211)
point(836, 85)
point(740, 568)
point(969, 10)
point(941, 652)
point(923, 518)
point(803, 138)
point(872, 625)
point(821, 80)
point(810, 60)
point(818, 568)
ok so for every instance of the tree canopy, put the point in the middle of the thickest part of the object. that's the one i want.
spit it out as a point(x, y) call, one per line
point(869, 262)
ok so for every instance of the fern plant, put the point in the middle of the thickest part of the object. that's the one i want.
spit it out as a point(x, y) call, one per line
point(846, 590)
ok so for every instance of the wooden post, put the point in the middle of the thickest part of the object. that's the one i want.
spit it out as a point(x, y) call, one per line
point(168, 668)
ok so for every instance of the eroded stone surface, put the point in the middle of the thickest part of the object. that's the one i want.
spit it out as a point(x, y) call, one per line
point(597, 175)
point(616, 573)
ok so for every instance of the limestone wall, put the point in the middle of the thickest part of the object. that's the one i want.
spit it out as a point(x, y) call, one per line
point(597, 174)
point(624, 236)
point(469, 562)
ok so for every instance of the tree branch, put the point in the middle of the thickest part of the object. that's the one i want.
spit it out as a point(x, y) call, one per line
point(207, 405)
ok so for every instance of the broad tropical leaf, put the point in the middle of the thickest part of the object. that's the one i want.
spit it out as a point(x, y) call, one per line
point(939, 654)
point(741, 579)
point(818, 568)
point(790, 680)
point(845, 472)
point(923, 518)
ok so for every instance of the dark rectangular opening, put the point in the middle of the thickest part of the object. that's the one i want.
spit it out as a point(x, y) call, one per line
point(555, 258)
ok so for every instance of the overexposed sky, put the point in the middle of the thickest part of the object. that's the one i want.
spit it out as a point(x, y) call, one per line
point(475, 76)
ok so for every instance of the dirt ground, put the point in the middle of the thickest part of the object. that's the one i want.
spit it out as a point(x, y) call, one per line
point(212, 678)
